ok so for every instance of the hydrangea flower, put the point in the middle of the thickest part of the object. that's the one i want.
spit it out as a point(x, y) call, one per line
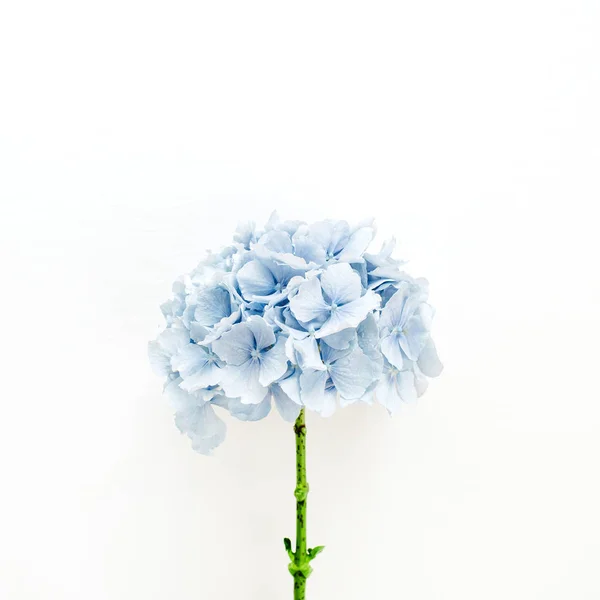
point(297, 315)
point(254, 359)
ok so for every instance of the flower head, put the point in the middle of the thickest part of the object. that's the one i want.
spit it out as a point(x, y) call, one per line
point(294, 315)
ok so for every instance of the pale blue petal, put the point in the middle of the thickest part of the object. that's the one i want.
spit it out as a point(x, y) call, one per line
point(273, 363)
point(273, 316)
point(405, 380)
point(293, 284)
point(415, 305)
point(383, 268)
point(386, 291)
point(172, 340)
point(291, 324)
point(308, 353)
point(281, 272)
point(368, 341)
point(423, 284)
point(168, 343)
point(255, 280)
point(290, 351)
point(198, 332)
point(173, 308)
point(312, 383)
point(159, 359)
point(341, 340)
point(189, 359)
point(331, 235)
point(383, 258)
point(212, 305)
point(287, 408)
point(210, 431)
point(210, 394)
point(361, 269)
point(421, 382)
point(391, 315)
point(262, 331)
point(314, 396)
point(254, 309)
point(357, 310)
point(309, 250)
point(390, 346)
point(352, 375)
point(357, 244)
point(329, 403)
point(179, 399)
point(242, 382)
point(296, 334)
point(277, 241)
point(220, 400)
point(429, 362)
point(276, 223)
point(376, 371)
point(281, 299)
point(413, 338)
point(273, 222)
point(291, 226)
point(190, 300)
point(249, 412)
point(308, 304)
point(291, 386)
point(340, 284)
point(388, 273)
point(368, 337)
point(297, 263)
point(236, 345)
point(349, 315)
point(425, 314)
point(384, 281)
point(330, 355)
point(209, 374)
point(196, 418)
point(245, 234)
point(214, 265)
point(387, 393)
point(333, 324)
point(220, 328)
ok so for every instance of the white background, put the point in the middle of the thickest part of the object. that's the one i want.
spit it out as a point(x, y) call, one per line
point(133, 137)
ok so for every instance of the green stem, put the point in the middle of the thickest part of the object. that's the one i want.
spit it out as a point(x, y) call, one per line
point(300, 566)
point(301, 493)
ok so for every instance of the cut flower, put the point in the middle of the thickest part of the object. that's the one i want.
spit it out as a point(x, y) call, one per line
point(296, 316)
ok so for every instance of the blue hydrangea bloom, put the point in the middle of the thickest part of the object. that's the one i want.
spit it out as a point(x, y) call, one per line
point(294, 315)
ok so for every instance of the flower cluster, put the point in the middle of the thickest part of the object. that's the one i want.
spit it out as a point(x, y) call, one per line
point(299, 315)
